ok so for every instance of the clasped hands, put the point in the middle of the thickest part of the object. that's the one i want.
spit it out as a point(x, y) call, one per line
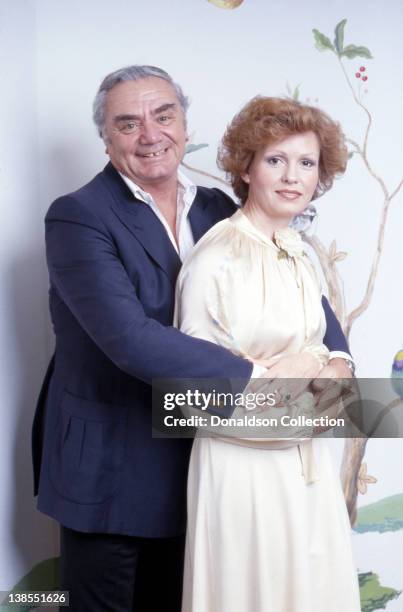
point(288, 377)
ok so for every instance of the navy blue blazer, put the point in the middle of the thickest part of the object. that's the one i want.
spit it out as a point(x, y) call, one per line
point(112, 272)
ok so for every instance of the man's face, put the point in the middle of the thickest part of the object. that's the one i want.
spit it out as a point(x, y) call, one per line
point(145, 131)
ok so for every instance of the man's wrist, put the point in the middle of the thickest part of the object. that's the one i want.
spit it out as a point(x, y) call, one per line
point(347, 359)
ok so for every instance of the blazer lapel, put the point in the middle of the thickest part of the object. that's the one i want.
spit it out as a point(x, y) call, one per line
point(142, 223)
point(203, 213)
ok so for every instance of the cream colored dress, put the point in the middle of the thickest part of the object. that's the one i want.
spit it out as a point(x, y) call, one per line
point(268, 529)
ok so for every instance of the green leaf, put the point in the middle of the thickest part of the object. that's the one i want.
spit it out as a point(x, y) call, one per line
point(351, 51)
point(322, 42)
point(190, 148)
point(383, 515)
point(339, 36)
point(373, 595)
point(350, 154)
point(295, 94)
point(43, 577)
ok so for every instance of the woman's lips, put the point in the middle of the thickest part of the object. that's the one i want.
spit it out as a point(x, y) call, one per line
point(289, 194)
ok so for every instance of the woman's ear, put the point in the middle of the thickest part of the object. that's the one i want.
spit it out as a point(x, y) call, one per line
point(245, 178)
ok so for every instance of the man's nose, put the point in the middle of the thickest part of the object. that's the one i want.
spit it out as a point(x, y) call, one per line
point(150, 132)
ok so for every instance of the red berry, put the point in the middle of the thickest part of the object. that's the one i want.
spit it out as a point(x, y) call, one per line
point(358, 75)
point(362, 69)
point(364, 78)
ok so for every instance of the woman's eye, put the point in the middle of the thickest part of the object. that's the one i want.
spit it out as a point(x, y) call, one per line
point(273, 161)
point(308, 163)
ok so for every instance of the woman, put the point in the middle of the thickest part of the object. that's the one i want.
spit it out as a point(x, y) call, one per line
point(268, 530)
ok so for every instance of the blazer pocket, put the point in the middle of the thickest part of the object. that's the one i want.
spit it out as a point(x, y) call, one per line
point(89, 449)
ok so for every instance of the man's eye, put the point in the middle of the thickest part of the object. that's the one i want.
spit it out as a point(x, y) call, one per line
point(129, 127)
point(164, 118)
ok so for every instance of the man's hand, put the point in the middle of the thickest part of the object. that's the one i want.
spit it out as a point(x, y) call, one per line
point(299, 365)
point(336, 368)
point(297, 370)
point(334, 389)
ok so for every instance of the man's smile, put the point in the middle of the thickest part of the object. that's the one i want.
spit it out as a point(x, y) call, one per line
point(153, 153)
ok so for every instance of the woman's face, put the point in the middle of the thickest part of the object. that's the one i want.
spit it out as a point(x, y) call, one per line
point(283, 176)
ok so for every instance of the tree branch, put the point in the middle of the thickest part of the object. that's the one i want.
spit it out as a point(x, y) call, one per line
point(387, 199)
point(353, 454)
point(332, 277)
point(203, 173)
point(396, 191)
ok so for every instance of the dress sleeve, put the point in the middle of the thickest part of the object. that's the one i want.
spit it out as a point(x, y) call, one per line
point(311, 291)
point(205, 306)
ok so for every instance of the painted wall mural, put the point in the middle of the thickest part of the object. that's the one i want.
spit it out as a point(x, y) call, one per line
point(226, 4)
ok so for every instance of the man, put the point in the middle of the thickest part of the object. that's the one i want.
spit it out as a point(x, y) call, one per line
point(114, 249)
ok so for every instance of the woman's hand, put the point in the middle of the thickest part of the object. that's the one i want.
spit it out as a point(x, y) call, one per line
point(299, 369)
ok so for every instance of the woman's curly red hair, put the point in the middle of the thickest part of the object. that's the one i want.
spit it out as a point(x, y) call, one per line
point(264, 121)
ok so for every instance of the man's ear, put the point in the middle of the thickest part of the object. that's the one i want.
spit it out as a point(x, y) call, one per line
point(105, 143)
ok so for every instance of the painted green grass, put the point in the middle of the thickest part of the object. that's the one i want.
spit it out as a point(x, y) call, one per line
point(381, 516)
point(42, 577)
point(373, 595)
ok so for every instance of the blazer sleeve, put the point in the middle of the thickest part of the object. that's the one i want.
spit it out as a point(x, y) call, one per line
point(334, 339)
point(85, 269)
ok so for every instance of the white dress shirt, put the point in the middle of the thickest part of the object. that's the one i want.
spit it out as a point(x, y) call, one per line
point(186, 195)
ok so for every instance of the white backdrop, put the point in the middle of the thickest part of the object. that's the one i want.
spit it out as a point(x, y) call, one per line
point(53, 54)
point(25, 535)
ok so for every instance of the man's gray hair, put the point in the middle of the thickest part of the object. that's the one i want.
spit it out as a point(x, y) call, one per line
point(130, 73)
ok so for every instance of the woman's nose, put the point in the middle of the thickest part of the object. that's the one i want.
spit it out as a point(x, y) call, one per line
point(289, 174)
